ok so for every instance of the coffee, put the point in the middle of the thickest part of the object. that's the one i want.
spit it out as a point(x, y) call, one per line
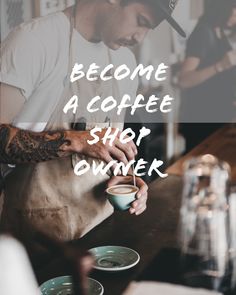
point(122, 190)
point(117, 193)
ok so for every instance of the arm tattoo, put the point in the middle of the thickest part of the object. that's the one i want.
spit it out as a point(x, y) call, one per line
point(20, 146)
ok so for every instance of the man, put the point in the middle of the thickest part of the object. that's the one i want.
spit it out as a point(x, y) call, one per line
point(36, 61)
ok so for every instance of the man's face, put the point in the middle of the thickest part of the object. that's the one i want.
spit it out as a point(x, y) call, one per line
point(127, 25)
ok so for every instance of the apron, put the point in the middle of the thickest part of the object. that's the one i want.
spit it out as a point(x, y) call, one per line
point(48, 196)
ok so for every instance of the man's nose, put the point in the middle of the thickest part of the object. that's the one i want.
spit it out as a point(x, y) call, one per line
point(140, 35)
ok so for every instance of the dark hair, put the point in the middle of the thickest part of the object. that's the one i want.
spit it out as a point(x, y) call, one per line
point(125, 2)
point(152, 3)
point(218, 12)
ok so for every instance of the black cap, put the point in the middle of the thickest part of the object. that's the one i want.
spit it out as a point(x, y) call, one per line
point(167, 7)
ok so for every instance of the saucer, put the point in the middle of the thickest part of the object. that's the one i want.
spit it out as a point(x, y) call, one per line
point(64, 286)
point(114, 258)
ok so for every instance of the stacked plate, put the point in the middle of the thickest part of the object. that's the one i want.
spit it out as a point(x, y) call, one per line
point(114, 258)
point(64, 286)
point(107, 258)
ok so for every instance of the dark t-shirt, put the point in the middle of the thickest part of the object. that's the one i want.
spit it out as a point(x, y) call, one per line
point(211, 101)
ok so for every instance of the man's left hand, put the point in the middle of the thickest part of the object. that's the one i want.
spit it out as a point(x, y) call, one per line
point(140, 204)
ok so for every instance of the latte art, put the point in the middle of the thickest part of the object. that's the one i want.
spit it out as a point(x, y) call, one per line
point(122, 189)
point(122, 196)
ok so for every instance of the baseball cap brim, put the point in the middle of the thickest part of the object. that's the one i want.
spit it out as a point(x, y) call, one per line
point(171, 20)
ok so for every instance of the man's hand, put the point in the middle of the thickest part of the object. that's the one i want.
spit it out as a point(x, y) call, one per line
point(139, 205)
point(22, 146)
point(118, 151)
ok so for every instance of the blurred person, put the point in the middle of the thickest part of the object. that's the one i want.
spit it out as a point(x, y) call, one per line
point(208, 73)
point(16, 265)
point(42, 192)
point(16, 272)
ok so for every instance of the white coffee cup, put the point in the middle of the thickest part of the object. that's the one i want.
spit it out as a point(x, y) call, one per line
point(122, 196)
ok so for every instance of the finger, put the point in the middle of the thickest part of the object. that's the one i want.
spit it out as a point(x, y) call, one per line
point(140, 201)
point(131, 145)
point(143, 188)
point(118, 155)
point(141, 210)
point(138, 211)
point(126, 149)
point(131, 210)
point(138, 204)
point(107, 158)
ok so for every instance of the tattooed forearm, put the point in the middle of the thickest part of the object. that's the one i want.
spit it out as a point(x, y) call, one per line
point(20, 146)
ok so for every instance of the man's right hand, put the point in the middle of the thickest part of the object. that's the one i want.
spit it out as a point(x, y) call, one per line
point(19, 146)
point(118, 151)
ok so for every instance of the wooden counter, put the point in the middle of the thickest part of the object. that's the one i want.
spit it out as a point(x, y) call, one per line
point(155, 229)
point(221, 144)
point(148, 233)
